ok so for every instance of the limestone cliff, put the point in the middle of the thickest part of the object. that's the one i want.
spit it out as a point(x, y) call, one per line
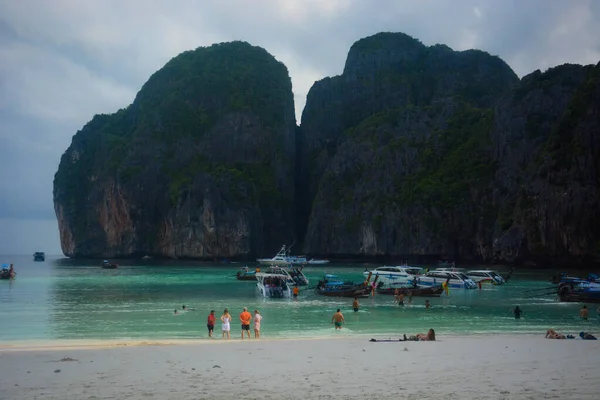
point(200, 165)
point(426, 151)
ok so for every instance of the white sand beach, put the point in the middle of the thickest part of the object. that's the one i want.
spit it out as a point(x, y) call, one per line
point(476, 367)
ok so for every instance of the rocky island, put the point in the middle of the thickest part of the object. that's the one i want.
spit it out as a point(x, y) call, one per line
point(413, 151)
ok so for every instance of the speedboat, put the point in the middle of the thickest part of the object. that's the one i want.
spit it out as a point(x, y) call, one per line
point(274, 285)
point(316, 261)
point(457, 280)
point(281, 258)
point(402, 274)
point(294, 275)
point(39, 256)
point(486, 275)
point(570, 292)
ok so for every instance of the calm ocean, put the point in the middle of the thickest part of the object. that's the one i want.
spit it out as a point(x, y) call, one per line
point(64, 299)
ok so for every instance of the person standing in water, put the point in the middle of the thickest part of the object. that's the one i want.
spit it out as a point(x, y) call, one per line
point(257, 319)
point(210, 322)
point(337, 319)
point(517, 312)
point(295, 290)
point(410, 297)
point(427, 304)
point(445, 286)
point(584, 313)
point(355, 304)
point(245, 318)
point(401, 299)
point(225, 323)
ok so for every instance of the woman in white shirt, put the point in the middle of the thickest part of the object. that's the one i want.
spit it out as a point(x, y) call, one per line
point(225, 326)
point(257, 319)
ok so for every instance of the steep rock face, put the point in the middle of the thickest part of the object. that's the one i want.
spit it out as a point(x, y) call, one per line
point(387, 119)
point(419, 150)
point(200, 165)
point(547, 142)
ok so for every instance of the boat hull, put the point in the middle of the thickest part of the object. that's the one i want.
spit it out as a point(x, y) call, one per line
point(356, 291)
point(245, 277)
point(112, 266)
point(417, 292)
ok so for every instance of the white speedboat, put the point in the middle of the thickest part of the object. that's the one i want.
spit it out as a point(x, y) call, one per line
point(486, 275)
point(457, 280)
point(402, 274)
point(273, 285)
point(281, 258)
point(293, 275)
point(316, 261)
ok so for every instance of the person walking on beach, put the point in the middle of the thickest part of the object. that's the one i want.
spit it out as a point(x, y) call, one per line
point(517, 312)
point(427, 305)
point(355, 304)
point(225, 324)
point(245, 319)
point(337, 319)
point(584, 312)
point(210, 323)
point(257, 319)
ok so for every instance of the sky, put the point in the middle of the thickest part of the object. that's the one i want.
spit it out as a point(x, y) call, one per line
point(62, 61)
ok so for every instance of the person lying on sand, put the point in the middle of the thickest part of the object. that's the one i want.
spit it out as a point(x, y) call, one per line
point(552, 334)
point(587, 336)
point(429, 336)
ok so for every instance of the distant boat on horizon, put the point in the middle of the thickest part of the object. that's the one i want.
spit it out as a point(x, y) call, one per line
point(39, 256)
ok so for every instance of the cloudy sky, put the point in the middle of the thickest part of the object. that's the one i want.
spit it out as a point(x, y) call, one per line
point(62, 61)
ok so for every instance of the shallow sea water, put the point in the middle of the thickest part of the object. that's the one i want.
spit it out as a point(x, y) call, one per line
point(68, 299)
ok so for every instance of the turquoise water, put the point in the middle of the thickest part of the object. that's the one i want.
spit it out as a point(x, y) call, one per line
point(75, 299)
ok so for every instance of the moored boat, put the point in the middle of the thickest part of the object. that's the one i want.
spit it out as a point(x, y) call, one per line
point(273, 285)
point(331, 286)
point(7, 272)
point(401, 274)
point(486, 276)
point(294, 275)
point(281, 258)
point(316, 261)
point(108, 265)
point(39, 256)
point(569, 292)
point(244, 274)
point(435, 291)
point(456, 280)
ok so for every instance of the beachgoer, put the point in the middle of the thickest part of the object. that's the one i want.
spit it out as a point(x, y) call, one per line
point(479, 284)
point(587, 336)
point(373, 286)
point(421, 337)
point(410, 297)
point(552, 334)
point(584, 312)
point(245, 319)
point(257, 269)
point(295, 290)
point(338, 319)
point(355, 304)
point(176, 312)
point(225, 323)
point(445, 286)
point(427, 304)
point(401, 299)
point(210, 323)
point(517, 312)
point(396, 295)
point(257, 319)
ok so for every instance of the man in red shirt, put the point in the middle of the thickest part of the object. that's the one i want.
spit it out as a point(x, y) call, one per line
point(245, 319)
point(210, 324)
